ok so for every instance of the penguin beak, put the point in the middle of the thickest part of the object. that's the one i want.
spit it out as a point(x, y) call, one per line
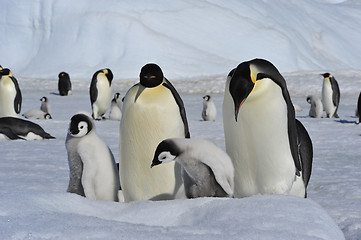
point(240, 87)
point(155, 162)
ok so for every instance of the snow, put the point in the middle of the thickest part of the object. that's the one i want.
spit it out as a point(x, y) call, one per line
point(196, 43)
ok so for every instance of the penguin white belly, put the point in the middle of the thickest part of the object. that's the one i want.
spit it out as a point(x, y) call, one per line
point(209, 112)
point(7, 97)
point(258, 142)
point(104, 97)
point(98, 178)
point(145, 123)
point(115, 112)
point(327, 99)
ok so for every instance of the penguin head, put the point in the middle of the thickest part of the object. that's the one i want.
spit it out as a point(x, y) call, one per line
point(242, 80)
point(105, 72)
point(166, 151)
point(80, 125)
point(44, 99)
point(47, 116)
point(308, 99)
point(5, 72)
point(326, 75)
point(1, 68)
point(116, 96)
point(151, 75)
point(62, 74)
point(206, 98)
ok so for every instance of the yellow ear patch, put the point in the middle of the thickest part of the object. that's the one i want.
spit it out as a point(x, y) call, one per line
point(254, 73)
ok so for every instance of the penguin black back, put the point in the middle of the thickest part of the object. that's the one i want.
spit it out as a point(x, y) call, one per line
point(64, 84)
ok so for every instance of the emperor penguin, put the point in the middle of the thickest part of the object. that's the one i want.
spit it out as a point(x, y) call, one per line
point(10, 94)
point(64, 84)
point(42, 113)
point(316, 109)
point(152, 111)
point(13, 128)
point(45, 105)
point(101, 92)
point(93, 172)
point(358, 108)
point(207, 170)
point(116, 108)
point(270, 149)
point(209, 112)
point(330, 95)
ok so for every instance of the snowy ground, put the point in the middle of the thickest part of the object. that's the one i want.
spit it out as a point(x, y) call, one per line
point(34, 177)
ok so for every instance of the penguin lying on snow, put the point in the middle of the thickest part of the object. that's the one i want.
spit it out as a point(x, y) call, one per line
point(270, 149)
point(93, 172)
point(209, 112)
point(207, 170)
point(10, 94)
point(16, 128)
point(42, 113)
point(316, 109)
point(330, 95)
point(101, 92)
point(152, 111)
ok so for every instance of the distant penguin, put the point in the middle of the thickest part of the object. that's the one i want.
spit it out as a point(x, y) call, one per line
point(116, 108)
point(10, 95)
point(15, 128)
point(358, 109)
point(209, 112)
point(330, 95)
point(45, 105)
point(316, 109)
point(101, 92)
point(152, 111)
point(207, 170)
point(270, 149)
point(93, 172)
point(64, 84)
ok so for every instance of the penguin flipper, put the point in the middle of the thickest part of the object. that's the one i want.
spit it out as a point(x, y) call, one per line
point(305, 151)
point(18, 96)
point(335, 92)
point(180, 104)
point(93, 90)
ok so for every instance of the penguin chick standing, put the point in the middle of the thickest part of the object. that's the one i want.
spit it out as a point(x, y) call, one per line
point(330, 95)
point(64, 84)
point(209, 112)
point(101, 92)
point(316, 109)
point(152, 111)
point(45, 105)
point(207, 170)
point(93, 171)
point(10, 94)
point(116, 108)
point(270, 149)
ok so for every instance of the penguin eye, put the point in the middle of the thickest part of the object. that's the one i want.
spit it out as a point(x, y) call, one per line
point(81, 127)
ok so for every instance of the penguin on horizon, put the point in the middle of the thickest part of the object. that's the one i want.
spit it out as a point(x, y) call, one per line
point(10, 94)
point(209, 112)
point(358, 108)
point(152, 111)
point(207, 169)
point(316, 109)
point(93, 172)
point(64, 84)
point(101, 92)
point(270, 149)
point(330, 95)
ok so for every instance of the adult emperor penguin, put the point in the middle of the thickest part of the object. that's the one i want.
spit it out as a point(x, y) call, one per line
point(93, 172)
point(152, 111)
point(116, 108)
point(64, 84)
point(12, 128)
point(10, 94)
point(330, 95)
point(101, 92)
point(207, 170)
point(271, 150)
point(358, 109)
point(316, 109)
point(209, 112)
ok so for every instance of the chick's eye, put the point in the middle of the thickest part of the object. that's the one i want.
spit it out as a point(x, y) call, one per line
point(81, 127)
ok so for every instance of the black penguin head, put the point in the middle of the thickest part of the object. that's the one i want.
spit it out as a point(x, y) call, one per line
point(5, 72)
point(166, 151)
point(47, 116)
point(62, 75)
point(206, 97)
point(326, 75)
point(44, 99)
point(151, 75)
point(80, 125)
point(308, 99)
point(244, 77)
point(105, 72)
point(117, 95)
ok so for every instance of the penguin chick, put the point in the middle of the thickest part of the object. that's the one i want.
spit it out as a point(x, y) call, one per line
point(45, 105)
point(207, 170)
point(93, 172)
point(64, 84)
point(37, 114)
point(316, 109)
point(330, 95)
point(209, 112)
point(101, 92)
point(10, 94)
point(116, 108)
